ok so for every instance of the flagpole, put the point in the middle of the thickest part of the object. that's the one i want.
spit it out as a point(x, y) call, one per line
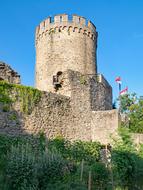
point(119, 88)
point(119, 98)
point(118, 80)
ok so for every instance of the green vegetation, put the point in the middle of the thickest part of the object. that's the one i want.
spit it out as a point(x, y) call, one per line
point(125, 162)
point(27, 96)
point(83, 80)
point(132, 108)
point(40, 164)
point(13, 117)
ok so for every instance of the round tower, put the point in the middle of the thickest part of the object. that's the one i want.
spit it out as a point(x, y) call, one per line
point(64, 43)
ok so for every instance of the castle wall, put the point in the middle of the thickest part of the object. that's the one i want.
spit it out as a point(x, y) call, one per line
point(8, 74)
point(64, 44)
point(100, 93)
point(54, 115)
point(95, 91)
point(104, 125)
point(60, 115)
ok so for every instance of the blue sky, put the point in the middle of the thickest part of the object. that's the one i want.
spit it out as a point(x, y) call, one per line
point(120, 41)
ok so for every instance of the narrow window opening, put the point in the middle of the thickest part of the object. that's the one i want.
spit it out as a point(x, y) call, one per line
point(57, 81)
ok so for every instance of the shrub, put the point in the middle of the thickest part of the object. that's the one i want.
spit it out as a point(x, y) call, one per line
point(76, 151)
point(126, 162)
point(88, 151)
point(51, 167)
point(21, 171)
point(100, 176)
point(30, 169)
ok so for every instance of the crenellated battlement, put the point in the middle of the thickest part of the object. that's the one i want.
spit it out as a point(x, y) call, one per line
point(71, 24)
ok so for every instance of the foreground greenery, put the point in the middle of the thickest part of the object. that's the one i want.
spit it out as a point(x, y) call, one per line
point(40, 164)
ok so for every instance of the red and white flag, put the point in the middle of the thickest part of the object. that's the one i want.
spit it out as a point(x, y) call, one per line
point(124, 91)
point(118, 80)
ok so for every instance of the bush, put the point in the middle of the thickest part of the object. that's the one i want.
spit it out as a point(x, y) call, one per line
point(76, 151)
point(88, 151)
point(21, 171)
point(28, 170)
point(127, 164)
point(100, 176)
point(38, 164)
point(51, 168)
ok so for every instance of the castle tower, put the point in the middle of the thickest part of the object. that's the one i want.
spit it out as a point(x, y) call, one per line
point(62, 44)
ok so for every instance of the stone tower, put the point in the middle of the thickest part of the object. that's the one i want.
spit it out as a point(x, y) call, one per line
point(64, 43)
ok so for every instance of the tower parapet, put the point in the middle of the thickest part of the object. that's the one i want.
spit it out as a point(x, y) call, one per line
point(60, 22)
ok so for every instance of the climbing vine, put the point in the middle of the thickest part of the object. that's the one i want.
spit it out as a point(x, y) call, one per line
point(27, 96)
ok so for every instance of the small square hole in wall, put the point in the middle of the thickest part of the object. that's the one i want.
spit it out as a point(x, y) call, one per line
point(61, 19)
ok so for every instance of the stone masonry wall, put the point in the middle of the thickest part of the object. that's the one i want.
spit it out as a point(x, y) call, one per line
point(100, 93)
point(59, 115)
point(95, 89)
point(104, 125)
point(8, 74)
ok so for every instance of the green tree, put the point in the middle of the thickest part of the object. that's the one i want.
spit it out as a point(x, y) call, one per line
point(136, 117)
point(131, 107)
point(127, 164)
point(126, 101)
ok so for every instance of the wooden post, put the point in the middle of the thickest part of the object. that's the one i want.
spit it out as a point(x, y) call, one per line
point(89, 181)
point(82, 166)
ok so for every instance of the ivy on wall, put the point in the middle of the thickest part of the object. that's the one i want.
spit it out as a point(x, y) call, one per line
point(28, 97)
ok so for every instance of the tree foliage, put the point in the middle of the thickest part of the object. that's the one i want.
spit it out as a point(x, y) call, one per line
point(132, 107)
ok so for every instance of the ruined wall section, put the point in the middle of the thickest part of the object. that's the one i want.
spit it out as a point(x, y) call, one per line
point(49, 115)
point(90, 92)
point(8, 74)
point(64, 44)
point(104, 126)
point(59, 115)
point(54, 115)
point(100, 93)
